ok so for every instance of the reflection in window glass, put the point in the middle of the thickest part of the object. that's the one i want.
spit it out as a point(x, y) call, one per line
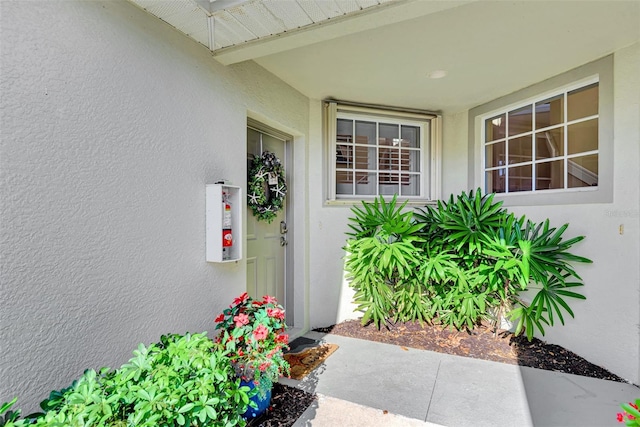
point(495, 154)
point(550, 143)
point(582, 137)
point(495, 128)
point(520, 150)
point(411, 135)
point(389, 131)
point(520, 120)
point(495, 180)
point(366, 183)
point(582, 102)
point(550, 175)
point(520, 178)
point(410, 185)
point(583, 171)
point(365, 133)
point(550, 112)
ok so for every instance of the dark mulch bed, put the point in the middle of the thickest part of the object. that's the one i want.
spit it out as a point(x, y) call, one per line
point(479, 344)
point(287, 404)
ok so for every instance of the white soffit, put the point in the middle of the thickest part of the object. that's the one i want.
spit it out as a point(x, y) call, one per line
point(224, 25)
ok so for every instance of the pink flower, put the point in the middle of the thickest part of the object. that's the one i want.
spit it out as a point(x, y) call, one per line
point(241, 319)
point(275, 313)
point(260, 332)
point(283, 338)
point(620, 417)
point(268, 299)
point(220, 318)
point(633, 405)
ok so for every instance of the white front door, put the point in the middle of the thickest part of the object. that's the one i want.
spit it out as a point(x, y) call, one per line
point(266, 242)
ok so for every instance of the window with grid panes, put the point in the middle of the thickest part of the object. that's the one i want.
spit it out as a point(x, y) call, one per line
point(377, 152)
point(546, 144)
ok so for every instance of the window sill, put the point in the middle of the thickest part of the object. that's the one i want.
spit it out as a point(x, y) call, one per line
point(354, 202)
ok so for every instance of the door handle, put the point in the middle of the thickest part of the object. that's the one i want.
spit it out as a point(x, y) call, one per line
point(283, 241)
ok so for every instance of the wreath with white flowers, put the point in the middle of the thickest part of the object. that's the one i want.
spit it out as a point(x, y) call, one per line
point(267, 186)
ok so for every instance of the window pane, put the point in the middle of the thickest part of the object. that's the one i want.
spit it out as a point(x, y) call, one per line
point(389, 132)
point(344, 182)
point(495, 128)
point(366, 184)
point(344, 160)
point(413, 160)
point(550, 143)
point(344, 129)
point(494, 154)
point(582, 102)
point(388, 157)
point(520, 149)
point(520, 178)
point(550, 112)
point(494, 180)
point(582, 137)
point(583, 171)
point(410, 185)
point(389, 183)
point(550, 175)
point(520, 120)
point(365, 133)
point(411, 136)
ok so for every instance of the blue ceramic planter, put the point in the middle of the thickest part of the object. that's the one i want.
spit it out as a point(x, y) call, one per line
point(263, 404)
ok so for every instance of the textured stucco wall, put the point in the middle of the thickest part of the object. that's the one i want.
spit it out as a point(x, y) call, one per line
point(112, 123)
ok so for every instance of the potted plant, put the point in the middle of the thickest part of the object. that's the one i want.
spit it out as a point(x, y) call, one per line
point(253, 333)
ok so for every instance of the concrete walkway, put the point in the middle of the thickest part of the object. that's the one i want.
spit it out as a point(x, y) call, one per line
point(365, 383)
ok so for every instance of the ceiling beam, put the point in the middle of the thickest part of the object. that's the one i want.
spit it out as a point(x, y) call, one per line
point(374, 17)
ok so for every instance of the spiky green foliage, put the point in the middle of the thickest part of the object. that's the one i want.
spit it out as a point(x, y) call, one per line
point(382, 261)
point(460, 262)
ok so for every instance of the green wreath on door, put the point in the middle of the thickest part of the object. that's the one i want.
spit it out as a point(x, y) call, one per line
point(267, 186)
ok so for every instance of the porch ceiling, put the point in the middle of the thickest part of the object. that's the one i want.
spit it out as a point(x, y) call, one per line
point(381, 51)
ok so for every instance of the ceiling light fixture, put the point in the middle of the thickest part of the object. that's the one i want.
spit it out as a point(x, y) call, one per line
point(436, 74)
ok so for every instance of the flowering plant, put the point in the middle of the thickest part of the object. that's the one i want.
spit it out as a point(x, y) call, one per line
point(631, 414)
point(253, 332)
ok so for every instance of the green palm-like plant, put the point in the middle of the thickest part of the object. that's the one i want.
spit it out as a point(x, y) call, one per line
point(460, 262)
point(382, 261)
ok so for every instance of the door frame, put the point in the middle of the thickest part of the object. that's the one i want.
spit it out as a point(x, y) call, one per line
point(289, 294)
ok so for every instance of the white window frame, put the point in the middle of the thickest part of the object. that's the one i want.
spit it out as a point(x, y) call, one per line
point(430, 148)
point(566, 157)
point(603, 68)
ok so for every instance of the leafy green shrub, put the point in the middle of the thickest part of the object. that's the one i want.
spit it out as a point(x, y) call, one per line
point(468, 260)
point(181, 381)
point(383, 260)
point(7, 416)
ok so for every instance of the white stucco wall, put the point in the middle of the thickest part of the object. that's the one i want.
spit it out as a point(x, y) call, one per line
point(112, 123)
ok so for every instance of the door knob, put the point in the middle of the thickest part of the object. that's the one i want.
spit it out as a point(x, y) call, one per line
point(283, 241)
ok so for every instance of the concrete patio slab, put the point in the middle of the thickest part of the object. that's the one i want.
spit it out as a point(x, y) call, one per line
point(366, 383)
point(479, 393)
point(330, 411)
